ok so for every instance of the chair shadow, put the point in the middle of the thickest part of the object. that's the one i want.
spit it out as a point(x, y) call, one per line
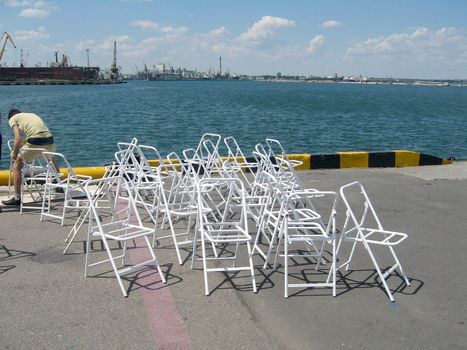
point(157, 284)
point(262, 279)
point(9, 209)
point(6, 268)
point(345, 282)
point(7, 254)
point(143, 273)
point(233, 279)
point(372, 281)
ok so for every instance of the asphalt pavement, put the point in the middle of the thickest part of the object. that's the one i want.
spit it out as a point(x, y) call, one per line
point(47, 303)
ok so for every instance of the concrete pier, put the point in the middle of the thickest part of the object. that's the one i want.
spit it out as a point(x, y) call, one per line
point(47, 303)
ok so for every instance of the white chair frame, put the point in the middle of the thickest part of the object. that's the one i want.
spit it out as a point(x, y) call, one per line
point(125, 225)
point(356, 230)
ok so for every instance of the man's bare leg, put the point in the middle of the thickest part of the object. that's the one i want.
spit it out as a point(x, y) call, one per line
point(17, 176)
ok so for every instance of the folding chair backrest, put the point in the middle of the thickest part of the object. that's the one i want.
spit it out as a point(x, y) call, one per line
point(129, 164)
point(127, 145)
point(151, 152)
point(55, 174)
point(214, 162)
point(236, 155)
point(228, 197)
point(359, 207)
point(199, 165)
point(267, 162)
point(233, 149)
point(214, 138)
point(276, 149)
point(119, 198)
point(177, 188)
point(127, 156)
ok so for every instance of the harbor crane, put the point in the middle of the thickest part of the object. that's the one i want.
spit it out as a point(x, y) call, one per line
point(7, 37)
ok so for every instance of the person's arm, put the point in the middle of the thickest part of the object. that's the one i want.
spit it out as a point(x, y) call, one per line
point(18, 142)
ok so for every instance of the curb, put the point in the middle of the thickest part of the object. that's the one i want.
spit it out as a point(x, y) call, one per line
point(340, 160)
point(390, 159)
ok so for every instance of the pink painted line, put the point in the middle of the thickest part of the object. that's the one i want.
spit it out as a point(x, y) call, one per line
point(165, 322)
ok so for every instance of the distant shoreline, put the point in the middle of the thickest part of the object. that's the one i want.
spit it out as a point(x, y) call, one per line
point(341, 80)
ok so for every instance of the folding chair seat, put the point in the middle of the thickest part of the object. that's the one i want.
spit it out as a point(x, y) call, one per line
point(362, 226)
point(222, 227)
point(70, 184)
point(121, 223)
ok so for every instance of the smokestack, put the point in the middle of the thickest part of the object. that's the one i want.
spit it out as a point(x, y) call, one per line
point(220, 66)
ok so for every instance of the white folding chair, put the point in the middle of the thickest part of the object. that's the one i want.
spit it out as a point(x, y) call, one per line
point(223, 227)
point(177, 203)
point(362, 225)
point(141, 176)
point(121, 224)
point(33, 177)
point(302, 225)
point(70, 184)
point(99, 198)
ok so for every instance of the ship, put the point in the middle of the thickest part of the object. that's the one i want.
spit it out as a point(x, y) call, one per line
point(58, 72)
point(48, 74)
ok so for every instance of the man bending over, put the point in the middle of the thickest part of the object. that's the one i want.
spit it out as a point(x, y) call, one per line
point(37, 135)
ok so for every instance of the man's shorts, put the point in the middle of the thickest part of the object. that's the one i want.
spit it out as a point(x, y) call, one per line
point(31, 152)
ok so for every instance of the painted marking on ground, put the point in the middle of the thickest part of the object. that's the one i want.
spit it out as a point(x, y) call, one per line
point(165, 322)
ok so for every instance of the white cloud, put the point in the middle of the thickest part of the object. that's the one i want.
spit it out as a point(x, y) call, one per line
point(33, 8)
point(264, 28)
point(173, 30)
point(145, 25)
point(314, 43)
point(154, 26)
point(417, 52)
point(219, 31)
point(421, 44)
point(108, 43)
point(34, 13)
point(83, 45)
point(18, 3)
point(31, 35)
point(331, 24)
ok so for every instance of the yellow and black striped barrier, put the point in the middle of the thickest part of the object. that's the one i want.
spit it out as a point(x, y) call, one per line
point(399, 158)
point(343, 160)
point(340, 160)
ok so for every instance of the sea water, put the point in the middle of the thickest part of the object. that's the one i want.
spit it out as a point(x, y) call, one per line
point(89, 120)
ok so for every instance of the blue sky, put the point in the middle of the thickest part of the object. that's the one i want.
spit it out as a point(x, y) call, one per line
point(411, 38)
